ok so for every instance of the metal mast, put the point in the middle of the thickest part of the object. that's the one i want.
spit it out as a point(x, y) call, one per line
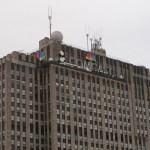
point(87, 36)
point(50, 19)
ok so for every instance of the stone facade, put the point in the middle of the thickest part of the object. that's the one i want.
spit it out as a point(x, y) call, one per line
point(74, 105)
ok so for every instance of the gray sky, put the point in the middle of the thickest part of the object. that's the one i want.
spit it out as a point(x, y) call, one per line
point(125, 25)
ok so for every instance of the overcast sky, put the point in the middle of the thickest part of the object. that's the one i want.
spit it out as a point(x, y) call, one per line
point(125, 25)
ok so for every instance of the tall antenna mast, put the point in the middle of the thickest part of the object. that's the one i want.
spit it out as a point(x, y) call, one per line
point(87, 36)
point(91, 44)
point(50, 19)
point(100, 39)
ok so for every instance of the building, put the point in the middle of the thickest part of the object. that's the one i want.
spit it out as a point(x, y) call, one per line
point(73, 100)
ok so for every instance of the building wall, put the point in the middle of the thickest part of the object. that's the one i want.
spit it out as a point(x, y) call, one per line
point(50, 105)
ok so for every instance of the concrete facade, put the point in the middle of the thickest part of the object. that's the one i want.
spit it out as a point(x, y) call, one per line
point(74, 105)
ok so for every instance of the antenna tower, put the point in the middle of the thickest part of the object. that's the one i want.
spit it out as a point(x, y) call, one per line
point(87, 35)
point(50, 18)
point(91, 44)
point(100, 44)
point(100, 39)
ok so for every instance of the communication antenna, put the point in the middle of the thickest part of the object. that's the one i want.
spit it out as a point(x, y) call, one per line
point(91, 39)
point(50, 18)
point(95, 41)
point(87, 36)
point(100, 39)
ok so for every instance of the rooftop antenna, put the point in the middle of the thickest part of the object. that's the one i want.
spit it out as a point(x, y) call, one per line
point(95, 41)
point(50, 18)
point(91, 39)
point(87, 36)
point(100, 39)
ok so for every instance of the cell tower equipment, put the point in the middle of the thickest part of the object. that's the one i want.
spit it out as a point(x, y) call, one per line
point(50, 19)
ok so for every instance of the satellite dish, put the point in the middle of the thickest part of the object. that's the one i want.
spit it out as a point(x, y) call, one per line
point(57, 36)
point(62, 59)
point(61, 53)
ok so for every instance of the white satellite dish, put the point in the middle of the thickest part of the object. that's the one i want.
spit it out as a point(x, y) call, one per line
point(62, 59)
point(61, 53)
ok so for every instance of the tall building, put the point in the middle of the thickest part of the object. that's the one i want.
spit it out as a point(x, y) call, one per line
point(65, 98)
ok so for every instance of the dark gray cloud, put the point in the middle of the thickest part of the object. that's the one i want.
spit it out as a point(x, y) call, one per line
point(124, 24)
